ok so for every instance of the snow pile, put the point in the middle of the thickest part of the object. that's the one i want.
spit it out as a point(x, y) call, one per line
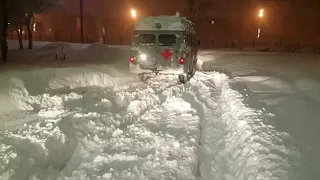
point(168, 23)
point(29, 92)
point(86, 124)
point(95, 53)
point(94, 132)
point(14, 44)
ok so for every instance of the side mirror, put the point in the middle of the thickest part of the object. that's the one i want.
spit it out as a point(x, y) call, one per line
point(198, 42)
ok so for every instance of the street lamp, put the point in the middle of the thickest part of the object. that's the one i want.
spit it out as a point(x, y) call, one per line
point(260, 15)
point(81, 21)
point(133, 13)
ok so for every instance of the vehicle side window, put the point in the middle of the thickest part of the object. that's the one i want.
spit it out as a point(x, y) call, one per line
point(186, 39)
point(135, 39)
point(189, 40)
point(194, 41)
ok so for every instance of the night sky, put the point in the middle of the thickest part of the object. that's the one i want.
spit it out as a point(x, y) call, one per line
point(291, 21)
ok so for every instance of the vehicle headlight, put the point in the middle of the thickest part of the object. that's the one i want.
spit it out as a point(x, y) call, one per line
point(143, 57)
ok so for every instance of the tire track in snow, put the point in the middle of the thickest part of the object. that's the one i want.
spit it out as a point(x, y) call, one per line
point(200, 112)
point(235, 144)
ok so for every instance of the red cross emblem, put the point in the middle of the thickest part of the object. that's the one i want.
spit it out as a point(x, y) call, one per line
point(166, 54)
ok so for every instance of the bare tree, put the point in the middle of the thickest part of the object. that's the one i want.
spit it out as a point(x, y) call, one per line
point(32, 7)
point(21, 13)
point(4, 29)
point(193, 9)
point(99, 11)
point(195, 6)
point(15, 14)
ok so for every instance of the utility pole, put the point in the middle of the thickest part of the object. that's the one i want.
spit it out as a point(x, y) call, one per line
point(81, 21)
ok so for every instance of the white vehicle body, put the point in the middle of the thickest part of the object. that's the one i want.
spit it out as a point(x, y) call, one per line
point(164, 45)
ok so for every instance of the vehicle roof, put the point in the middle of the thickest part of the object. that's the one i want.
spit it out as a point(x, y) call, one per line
point(164, 23)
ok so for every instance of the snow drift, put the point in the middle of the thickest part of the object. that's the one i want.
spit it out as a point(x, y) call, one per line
point(112, 130)
point(97, 122)
point(44, 54)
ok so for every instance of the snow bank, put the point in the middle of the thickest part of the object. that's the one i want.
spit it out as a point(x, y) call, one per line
point(14, 44)
point(91, 131)
point(44, 54)
point(26, 92)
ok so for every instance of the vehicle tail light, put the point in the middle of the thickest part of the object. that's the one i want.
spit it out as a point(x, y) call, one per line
point(132, 59)
point(181, 60)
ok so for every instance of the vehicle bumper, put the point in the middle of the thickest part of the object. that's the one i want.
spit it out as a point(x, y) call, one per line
point(136, 69)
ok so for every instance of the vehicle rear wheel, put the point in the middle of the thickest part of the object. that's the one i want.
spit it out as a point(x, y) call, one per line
point(192, 71)
point(142, 77)
point(183, 78)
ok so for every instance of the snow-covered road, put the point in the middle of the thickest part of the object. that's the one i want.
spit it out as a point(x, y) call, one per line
point(97, 127)
point(98, 122)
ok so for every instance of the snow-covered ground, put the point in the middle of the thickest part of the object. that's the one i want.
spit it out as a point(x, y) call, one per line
point(246, 116)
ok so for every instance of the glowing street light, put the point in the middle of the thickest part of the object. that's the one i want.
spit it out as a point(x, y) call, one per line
point(34, 26)
point(261, 13)
point(133, 13)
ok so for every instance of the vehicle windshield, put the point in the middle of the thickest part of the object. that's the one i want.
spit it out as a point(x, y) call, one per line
point(147, 39)
point(167, 40)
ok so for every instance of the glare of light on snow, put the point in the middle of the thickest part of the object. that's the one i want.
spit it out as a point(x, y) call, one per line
point(199, 64)
point(50, 113)
point(266, 84)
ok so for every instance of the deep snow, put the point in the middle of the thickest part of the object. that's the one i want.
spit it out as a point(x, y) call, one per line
point(256, 121)
point(168, 23)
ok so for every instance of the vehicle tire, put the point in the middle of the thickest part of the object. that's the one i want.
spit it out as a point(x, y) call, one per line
point(192, 71)
point(183, 78)
point(142, 77)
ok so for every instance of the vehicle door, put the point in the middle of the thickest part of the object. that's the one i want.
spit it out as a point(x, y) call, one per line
point(147, 43)
point(167, 52)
